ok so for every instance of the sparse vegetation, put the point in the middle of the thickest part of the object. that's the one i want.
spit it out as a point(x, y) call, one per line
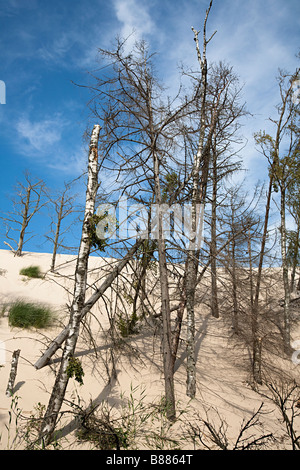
point(75, 370)
point(28, 314)
point(127, 324)
point(32, 272)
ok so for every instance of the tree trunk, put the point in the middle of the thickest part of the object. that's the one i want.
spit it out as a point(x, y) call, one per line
point(285, 277)
point(60, 339)
point(62, 378)
point(250, 269)
point(168, 363)
point(62, 201)
point(13, 373)
point(296, 255)
point(191, 281)
point(197, 196)
point(213, 246)
point(256, 343)
point(24, 223)
point(234, 290)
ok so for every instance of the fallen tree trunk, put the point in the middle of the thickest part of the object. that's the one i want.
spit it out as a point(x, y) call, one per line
point(59, 340)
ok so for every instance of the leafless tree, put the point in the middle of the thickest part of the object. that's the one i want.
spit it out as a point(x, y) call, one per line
point(281, 152)
point(139, 128)
point(62, 206)
point(225, 147)
point(211, 436)
point(286, 398)
point(29, 199)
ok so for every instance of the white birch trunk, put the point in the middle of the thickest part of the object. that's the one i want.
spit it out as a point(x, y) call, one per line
point(193, 255)
point(61, 382)
point(168, 362)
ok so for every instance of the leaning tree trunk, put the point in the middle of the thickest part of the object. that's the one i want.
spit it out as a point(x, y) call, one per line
point(59, 389)
point(61, 338)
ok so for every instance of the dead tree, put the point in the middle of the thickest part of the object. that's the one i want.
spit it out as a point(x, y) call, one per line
point(199, 186)
point(28, 201)
point(280, 170)
point(218, 112)
point(286, 397)
point(140, 126)
point(223, 155)
point(213, 436)
point(62, 207)
point(13, 373)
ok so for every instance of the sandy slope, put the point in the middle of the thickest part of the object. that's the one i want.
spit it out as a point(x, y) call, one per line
point(222, 376)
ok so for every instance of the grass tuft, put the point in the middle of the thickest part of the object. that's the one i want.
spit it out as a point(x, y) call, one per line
point(31, 271)
point(26, 314)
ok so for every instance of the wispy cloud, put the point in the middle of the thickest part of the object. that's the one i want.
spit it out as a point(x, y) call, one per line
point(135, 19)
point(40, 135)
point(47, 142)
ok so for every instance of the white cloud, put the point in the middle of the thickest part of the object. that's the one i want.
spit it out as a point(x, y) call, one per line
point(135, 18)
point(47, 142)
point(40, 135)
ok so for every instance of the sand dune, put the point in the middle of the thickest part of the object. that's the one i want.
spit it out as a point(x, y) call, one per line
point(222, 376)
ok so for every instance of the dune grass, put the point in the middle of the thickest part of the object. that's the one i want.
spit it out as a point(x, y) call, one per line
point(31, 271)
point(28, 314)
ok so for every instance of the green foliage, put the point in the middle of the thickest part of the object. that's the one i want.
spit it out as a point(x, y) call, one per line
point(134, 424)
point(74, 369)
point(26, 314)
point(94, 240)
point(128, 324)
point(102, 433)
point(31, 271)
point(169, 185)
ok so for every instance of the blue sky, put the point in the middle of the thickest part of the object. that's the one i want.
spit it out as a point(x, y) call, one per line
point(44, 46)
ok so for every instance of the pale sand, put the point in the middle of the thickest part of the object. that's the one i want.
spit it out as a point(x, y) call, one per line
point(221, 372)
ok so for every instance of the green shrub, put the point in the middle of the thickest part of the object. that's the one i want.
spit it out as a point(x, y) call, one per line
point(26, 315)
point(31, 271)
point(127, 324)
point(74, 369)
